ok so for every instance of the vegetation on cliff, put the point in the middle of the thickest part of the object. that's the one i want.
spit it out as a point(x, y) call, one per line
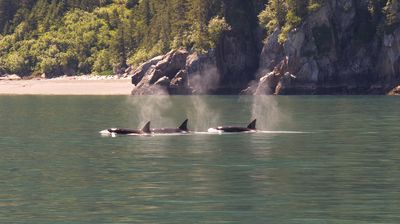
point(59, 37)
point(288, 14)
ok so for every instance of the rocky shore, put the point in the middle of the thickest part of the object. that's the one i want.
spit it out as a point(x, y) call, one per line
point(326, 54)
point(177, 72)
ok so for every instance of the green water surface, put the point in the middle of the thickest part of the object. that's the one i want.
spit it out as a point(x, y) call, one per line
point(321, 160)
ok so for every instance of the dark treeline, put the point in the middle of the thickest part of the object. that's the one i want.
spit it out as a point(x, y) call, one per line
point(60, 37)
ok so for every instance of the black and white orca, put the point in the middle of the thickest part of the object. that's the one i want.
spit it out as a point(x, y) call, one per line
point(180, 130)
point(146, 130)
point(124, 131)
point(232, 129)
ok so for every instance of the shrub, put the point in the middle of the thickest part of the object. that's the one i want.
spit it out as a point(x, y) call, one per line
point(216, 27)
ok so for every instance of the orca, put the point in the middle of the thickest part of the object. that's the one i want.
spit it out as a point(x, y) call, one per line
point(123, 131)
point(181, 129)
point(232, 129)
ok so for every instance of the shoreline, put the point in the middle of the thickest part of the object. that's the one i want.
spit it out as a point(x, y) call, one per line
point(67, 86)
point(95, 86)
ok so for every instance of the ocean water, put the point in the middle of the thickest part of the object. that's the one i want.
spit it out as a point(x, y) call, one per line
point(316, 159)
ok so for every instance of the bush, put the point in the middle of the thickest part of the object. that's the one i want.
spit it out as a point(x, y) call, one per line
point(102, 61)
point(142, 55)
point(292, 21)
point(16, 63)
point(314, 7)
point(216, 27)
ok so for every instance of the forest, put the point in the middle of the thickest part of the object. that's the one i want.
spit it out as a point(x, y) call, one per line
point(69, 37)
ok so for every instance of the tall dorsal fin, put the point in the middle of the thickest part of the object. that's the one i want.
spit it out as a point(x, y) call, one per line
point(183, 126)
point(252, 125)
point(146, 128)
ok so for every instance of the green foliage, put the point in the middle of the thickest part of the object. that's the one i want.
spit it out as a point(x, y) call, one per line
point(98, 36)
point(143, 54)
point(82, 42)
point(273, 15)
point(313, 7)
point(287, 15)
point(15, 62)
point(292, 21)
point(216, 26)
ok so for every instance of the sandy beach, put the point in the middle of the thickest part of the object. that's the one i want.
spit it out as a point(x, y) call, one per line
point(66, 87)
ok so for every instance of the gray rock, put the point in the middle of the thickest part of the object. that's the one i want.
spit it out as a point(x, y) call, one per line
point(389, 58)
point(271, 54)
point(395, 91)
point(176, 70)
point(237, 58)
point(159, 72)
point(149, 90)
point(180, 80)
point(164, 81)
point(138, 73)
point(268, 84)
point(327, 56)
point(172, 63)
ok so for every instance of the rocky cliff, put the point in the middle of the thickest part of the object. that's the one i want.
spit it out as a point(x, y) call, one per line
point(338, 49)
point(177, 72)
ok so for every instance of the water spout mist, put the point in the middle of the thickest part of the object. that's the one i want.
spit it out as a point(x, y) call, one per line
point(266, 110)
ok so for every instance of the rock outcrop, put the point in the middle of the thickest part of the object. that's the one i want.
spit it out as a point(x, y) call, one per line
point(395, 91)
point(330, 54)
point(338, 49)
point(177, 72)
point(142, 69)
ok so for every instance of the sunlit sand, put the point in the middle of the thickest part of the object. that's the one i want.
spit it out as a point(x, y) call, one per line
point(66, 87)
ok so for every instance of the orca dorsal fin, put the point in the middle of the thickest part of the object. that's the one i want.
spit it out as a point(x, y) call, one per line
point(183, 126)
point(146, 128)
point(252, 125)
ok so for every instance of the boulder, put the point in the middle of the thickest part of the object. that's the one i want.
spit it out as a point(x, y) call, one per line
point(178, 73)
point(138, 74)
point(268, 84)
point(149, 90)
point(164, 81)
point(180, 80)
point(180, 84)
point(203, 74)
point(159, 72)
point(395, 91)
point(172, 62)
point(168, 65)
